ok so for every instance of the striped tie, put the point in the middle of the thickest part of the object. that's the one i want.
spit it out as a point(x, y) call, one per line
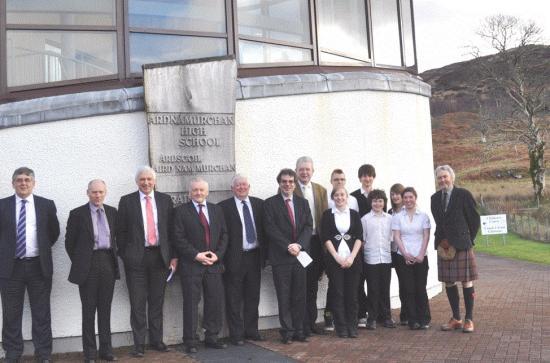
point(21, 244)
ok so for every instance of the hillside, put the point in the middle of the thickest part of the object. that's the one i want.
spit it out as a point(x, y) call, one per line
point(456, 126)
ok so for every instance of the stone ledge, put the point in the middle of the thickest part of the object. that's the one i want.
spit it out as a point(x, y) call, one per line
point(125, 100)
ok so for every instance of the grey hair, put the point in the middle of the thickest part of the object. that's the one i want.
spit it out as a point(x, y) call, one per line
point(238, 177)
point(304, 159)
point(446, 168)
point(145, 168)
point(22, 170)
point(96, 180)
point(196, 179)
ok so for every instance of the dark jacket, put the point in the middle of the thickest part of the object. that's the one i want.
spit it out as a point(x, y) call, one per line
point(330, 233)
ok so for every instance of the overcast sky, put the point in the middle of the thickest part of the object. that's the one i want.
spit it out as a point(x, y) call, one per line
point(445, 27)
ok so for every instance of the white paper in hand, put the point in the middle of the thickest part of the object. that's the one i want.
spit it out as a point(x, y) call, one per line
point(304, 258)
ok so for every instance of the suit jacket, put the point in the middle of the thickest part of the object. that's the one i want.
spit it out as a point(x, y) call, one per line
point(79, 241)
point(47, 232)
point(233, 255)
point(362, 201)
point(189, 238)
point(321, 202)
point(278, 228)
point(459, 225)
point(130, 234)
point(330, 231)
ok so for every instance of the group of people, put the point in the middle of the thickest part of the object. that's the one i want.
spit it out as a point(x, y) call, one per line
point(219, 251)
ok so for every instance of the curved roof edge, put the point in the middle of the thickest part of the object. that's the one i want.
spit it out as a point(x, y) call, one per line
point(124, 100)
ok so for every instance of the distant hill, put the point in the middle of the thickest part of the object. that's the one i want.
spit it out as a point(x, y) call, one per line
point(455, 121)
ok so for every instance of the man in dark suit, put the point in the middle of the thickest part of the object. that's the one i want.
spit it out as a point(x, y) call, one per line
point(243, 260)
point(288, 227)
point(144, 243)
point(457, 224)
point(200, 240)
point(366, 175)
point(28, 229)
point(91, 245)
point(317, 199)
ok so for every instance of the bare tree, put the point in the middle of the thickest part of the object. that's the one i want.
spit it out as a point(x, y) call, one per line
point(517, 73)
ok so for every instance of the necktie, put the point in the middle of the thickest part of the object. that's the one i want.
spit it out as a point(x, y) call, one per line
point(21, 243)
point(249, 226)
point(151, 231)
point(102, 233)
point(205, 225)
point(292, 221)
point(445, 195)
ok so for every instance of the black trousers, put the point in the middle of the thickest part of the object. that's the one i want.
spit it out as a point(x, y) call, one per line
point(26, 275)
point(96, 294)
point(290, 286)
point(415, 278)
point(146, 285)
point(242, 289)
point(362, 298)
point(402, 297)
point(192, 287)
point(313, 273)
point(378, 287)
point(343, 291)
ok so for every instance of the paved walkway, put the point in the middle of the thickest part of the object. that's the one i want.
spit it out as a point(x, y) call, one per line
point(512, 316)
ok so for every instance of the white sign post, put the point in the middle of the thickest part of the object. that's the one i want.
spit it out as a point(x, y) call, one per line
point(494, 224)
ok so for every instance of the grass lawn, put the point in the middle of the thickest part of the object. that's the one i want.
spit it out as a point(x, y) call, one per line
point(515, 247)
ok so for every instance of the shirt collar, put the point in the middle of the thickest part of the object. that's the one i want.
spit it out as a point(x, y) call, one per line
point(302, 186)
point(94, 208)
point(239, 201)
point(29, 199)
point(143, 195)
point(197, 204)
point(285, 198)
point(363, 191)
point(338, 211)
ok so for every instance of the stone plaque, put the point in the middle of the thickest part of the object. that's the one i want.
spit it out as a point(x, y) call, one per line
point(190, 110)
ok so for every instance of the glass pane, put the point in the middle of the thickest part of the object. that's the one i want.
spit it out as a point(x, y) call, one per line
point(285, 20)
point(254, 52)
point(385, 32)
point(332, 58)
point(190, 15)
point(407, 32)
point(155, 48)
point(61, 12)
point(49, 56)
point(343, 27)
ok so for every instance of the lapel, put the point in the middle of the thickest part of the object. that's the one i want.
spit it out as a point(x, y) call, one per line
point(452, 197)
point(88, 218)
point(137, 208)
point(212, 219)
point(284, 211)
point(38, 206)
point(235, 212)
point(11, 214)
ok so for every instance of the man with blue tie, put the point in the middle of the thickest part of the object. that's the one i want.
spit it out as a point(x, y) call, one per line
point(244, 259)
point(28, 229)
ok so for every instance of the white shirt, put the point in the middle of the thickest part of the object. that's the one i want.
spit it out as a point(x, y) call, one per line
point(204, 209)
point(239, 203)
point(307, 192)
point(412, 231)
point(342, 220)
point(144, 215)
point(352, 203)
point(364, 192)
point(377, 234)
point(31, 238)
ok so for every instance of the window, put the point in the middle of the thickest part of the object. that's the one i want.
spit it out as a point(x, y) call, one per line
point(274, 31)
point(385, 32)
point(342, 32)
point(166, 30)
point(58, 41)
point(408, 33)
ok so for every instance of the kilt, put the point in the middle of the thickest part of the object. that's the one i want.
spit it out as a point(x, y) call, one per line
point(461, 268)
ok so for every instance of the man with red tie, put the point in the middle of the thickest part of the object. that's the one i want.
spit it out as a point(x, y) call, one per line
point(143, 238)
point(288, 227)
point(200, 240)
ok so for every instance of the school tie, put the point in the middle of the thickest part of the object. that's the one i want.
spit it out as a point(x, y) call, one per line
point(21, 242)
point(249, 226)
point(205, 225)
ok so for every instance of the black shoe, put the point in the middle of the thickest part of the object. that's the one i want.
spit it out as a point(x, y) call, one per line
point(389, 323)
point(425, 326)
point(109, 357)
point(215, 344)
point(47, 360)
point(160, 347)
point(286, 340)
point(307, 333)
point(353, 334)
point(371, 325)
point(414, 326)
point(317, 331)
point(300, 338)
point(237, 341)
point(342, 334)
point(404, 322)
point(256, 337)
point(191, 350)
point(138, 352)
point(12, 360)
point(87, 361)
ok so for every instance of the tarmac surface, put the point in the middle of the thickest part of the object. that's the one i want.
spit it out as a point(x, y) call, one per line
point(511, 315)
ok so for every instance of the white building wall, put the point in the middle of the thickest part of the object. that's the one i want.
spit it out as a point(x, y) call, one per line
point(390, 130)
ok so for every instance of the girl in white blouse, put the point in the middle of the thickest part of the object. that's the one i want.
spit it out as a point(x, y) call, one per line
point(411, 233)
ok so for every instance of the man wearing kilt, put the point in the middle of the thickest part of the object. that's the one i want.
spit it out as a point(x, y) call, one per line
point(457, 224)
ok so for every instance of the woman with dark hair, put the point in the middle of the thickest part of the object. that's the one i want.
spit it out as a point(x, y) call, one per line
point(342, 232)
point(411, 233)
point(377, 237)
